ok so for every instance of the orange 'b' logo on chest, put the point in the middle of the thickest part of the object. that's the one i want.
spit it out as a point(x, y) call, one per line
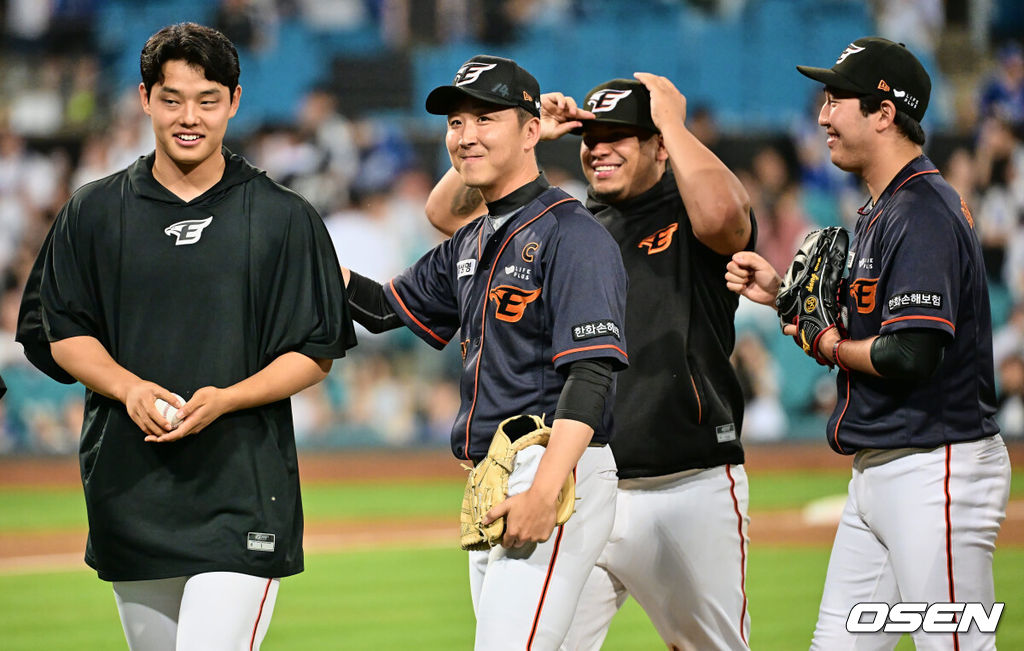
point(511, 301)
point(659, 240)
point(863, 292)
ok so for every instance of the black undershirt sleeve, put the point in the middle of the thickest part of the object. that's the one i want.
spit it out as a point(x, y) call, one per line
point(908, 354)
point(370, 307)
point(586, 389)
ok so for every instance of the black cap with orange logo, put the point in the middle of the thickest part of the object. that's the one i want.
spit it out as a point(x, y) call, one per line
point(878, 66)
point(495, 80)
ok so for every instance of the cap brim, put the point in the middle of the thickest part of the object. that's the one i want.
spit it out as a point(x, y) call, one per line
point(830, 77)
point(578, 131)
point(443, 99)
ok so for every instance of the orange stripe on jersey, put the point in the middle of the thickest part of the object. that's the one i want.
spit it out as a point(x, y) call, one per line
point(924, 318)
point(897, 190)
point(430, 332)
point(577, 350)
point(835, 432)
point(483, 315)
point(695, 393)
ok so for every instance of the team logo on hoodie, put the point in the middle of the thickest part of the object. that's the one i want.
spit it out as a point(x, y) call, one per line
point(188, 231)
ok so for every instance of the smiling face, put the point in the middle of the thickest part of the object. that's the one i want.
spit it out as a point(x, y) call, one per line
point(621, 162)
point(189, 114)
point(490, 148)
point(847, 131)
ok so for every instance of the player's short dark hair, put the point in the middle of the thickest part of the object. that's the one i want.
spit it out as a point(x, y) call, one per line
point(523, 115)
point(199, 46)
point(906, 125)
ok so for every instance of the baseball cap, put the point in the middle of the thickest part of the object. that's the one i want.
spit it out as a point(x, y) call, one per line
point(491, 79)
point(878, 66)
point(620, 101)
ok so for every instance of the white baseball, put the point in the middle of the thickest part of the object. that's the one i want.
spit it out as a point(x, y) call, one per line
point(169, 411)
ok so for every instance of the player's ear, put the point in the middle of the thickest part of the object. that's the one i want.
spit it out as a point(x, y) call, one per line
point(235, 99)
point(531, 132)
point(662, 154)
point(144, 98)
point(886, 114)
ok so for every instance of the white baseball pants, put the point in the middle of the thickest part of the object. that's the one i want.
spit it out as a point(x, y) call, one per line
point(524, 598)
point(918, 526)
point(213, 611)
point(679, 546)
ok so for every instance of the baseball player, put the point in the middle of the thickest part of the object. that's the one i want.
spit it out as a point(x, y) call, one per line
point(189, 272)
point(536, 291)
point(916, 390)
point(679, 407)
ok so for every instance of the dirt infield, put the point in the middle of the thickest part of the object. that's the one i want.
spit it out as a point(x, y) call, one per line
point(63, 549)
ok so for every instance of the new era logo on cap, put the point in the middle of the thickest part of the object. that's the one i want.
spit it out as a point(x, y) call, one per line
point(490, 79)
point(878, 66)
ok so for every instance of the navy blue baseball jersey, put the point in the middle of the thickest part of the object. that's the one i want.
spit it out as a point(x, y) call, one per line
point(915, 262)
point(544, 289)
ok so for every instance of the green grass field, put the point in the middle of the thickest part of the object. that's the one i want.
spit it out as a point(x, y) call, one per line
point(417, 597)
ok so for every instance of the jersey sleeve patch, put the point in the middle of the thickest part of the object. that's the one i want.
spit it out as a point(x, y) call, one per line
point(591, 329)
point(916, 299)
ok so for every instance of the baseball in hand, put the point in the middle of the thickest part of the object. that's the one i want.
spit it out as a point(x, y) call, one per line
point(169, 411)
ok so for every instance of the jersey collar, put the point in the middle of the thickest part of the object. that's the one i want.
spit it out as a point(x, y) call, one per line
point(518, 198)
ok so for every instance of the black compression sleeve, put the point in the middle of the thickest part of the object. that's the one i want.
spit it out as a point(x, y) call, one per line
point(586, 389)
point(908, 354)
point(370, 308)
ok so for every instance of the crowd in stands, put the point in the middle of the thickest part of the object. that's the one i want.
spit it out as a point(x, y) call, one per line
point(62, 126)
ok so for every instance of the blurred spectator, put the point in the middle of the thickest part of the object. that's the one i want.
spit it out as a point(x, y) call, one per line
point(331, 15)
point(37, 109)
point(326, 183)
point(1010, 415)
point(703, 125)
point(1008, 339)
point(917, 23)
point(823, 397)
point(1002, 95)
point(381, 400)
point(764, 418)
point(25, 25)
point(1000, 204)
point(83, 103)
point(72, 26)
point(245, 22)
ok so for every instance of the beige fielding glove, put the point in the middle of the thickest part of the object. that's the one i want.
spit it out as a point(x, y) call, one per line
point(488, 482)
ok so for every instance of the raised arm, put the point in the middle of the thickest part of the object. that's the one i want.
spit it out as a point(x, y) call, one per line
point(716, 201)
point(451, 204)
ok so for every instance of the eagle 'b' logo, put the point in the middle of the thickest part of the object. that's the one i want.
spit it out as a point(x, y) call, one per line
point(659, 241)
point(511, 301)
point(605, 100)
point(850, 49)
point(470, 72)
point(188, 231)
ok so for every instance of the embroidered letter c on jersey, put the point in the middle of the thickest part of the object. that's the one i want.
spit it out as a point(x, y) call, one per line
point(188, 231)
point(660, 240)
point(511, 301)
